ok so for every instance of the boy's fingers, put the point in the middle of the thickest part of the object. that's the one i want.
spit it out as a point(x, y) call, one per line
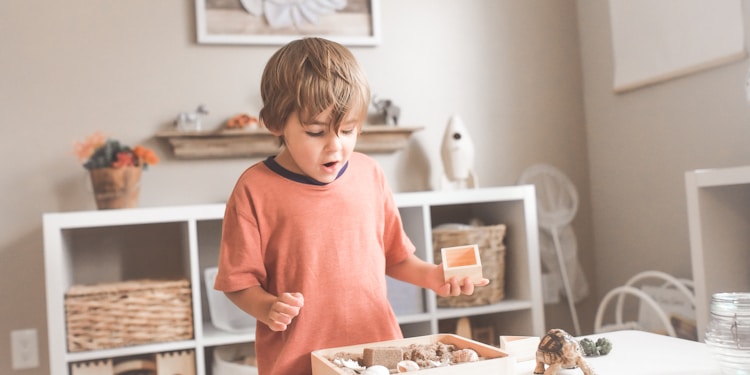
point(293, 299)
point(278, 327)
point(455, 287)
point(280, 316)
point(483, 282)
point(444, 290)
point(288, 310)
point(467, 287)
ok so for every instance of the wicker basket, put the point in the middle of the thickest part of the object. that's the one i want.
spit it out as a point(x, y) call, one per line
point(492, 252)
point(128, 313)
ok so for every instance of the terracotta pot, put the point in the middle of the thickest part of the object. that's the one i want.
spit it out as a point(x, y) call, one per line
point(116, 187)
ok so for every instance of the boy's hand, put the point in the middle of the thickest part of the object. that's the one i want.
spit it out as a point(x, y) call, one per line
point(284, 310)
point(453, 288)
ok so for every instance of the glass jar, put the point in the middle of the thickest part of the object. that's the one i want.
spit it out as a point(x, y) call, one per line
point(728, 332)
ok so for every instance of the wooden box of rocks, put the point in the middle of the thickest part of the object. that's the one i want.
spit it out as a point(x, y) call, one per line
point(441, 354)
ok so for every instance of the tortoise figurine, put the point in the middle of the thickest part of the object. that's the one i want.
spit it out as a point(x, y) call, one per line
point(558, 349)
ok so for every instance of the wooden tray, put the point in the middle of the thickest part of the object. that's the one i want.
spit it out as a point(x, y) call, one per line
point(494, 362)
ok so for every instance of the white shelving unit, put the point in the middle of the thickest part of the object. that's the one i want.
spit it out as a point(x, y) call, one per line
point(180, 242)
point(718, 203)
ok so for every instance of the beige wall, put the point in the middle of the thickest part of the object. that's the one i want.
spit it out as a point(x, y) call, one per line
point(640, 145)
point(510, 69)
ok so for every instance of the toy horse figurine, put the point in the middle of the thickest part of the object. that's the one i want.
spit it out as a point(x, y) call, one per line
point(388, 110)
point(559, 349)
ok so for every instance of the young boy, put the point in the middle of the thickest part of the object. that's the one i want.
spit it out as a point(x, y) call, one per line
point(309, 235)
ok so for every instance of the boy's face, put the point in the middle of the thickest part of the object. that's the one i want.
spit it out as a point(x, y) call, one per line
point(314, 149)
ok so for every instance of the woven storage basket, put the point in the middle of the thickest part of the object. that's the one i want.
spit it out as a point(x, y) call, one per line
point(128, 313)
point(489, 239)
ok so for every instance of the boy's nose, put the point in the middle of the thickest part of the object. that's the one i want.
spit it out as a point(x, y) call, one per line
point(333, 142)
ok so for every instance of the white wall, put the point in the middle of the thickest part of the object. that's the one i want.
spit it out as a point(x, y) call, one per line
point(510, 69)
point(640, 144)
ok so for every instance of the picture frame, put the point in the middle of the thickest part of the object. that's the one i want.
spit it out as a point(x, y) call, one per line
point(266, 22)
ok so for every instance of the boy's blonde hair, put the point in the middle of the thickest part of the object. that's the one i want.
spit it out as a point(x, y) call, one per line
point(309, 75)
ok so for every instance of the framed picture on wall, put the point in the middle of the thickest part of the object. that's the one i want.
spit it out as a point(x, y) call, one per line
point(276, 22)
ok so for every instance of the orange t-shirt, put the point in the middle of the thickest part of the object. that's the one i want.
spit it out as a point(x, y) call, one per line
point(330, 242)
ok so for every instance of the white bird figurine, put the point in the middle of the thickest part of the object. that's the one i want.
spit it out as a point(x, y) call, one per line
point(458, 157)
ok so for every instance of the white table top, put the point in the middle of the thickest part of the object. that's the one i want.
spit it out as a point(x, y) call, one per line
point(644, 353)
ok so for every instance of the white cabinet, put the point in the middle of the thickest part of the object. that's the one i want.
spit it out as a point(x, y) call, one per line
point(181, 242)
point(718, 203)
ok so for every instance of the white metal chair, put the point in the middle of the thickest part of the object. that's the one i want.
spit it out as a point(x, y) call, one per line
point(557, 205)
point(682, 286)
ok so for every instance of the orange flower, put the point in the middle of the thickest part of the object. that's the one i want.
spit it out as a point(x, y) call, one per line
point(98, 151)
point(241, 120)
point(85, 149)
point(145, 156)
point(124, 159)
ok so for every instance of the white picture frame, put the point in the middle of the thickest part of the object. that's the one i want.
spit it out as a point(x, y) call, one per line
point(246, 22)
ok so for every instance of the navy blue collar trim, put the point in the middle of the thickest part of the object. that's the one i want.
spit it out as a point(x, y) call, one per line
point(271, 163)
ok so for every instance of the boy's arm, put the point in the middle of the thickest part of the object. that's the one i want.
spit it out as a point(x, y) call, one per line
point(430, 276)
point(275, 312)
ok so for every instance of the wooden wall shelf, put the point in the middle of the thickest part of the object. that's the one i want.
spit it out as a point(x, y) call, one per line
point(226, 143)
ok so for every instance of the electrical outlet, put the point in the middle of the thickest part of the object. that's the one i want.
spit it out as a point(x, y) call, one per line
point(25, 349)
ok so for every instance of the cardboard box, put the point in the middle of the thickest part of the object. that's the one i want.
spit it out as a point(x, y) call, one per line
point(494, 361)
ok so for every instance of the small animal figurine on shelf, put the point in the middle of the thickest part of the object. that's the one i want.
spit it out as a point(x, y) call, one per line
point(558, 349)
point(191, 121)
point(389, 111)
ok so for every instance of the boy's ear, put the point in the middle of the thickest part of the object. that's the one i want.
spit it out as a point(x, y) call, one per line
point(277, 132)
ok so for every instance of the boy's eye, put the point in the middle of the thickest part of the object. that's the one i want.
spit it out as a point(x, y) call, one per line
point(315, 134)
point(347, 131)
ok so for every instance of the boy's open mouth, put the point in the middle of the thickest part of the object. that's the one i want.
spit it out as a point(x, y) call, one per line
point(330, 164)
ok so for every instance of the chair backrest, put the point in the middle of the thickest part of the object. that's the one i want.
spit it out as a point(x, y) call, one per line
point(684, 288)
point(557, 198)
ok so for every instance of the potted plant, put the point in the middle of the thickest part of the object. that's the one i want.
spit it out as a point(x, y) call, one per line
point(115, 169)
